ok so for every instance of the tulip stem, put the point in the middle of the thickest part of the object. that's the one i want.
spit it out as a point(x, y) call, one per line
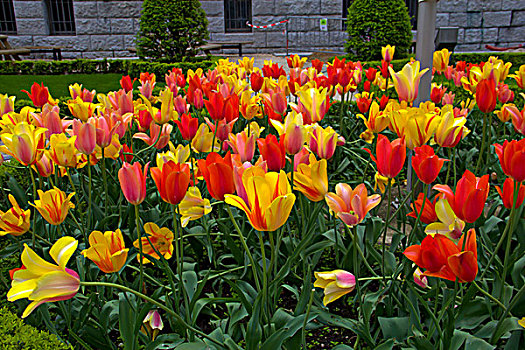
point(483, 141)
point(245, 246)
point(89, 198)
point(265, 277)
point(362, 254)
point(68, 173)
point(180, 234)
point(157, 304)
point(33, 241)
point(305, 322)
point(516, 298)
point(387, 221)
point(141, 253)
point(488, 295)
point(214, 135)
point(104, 178)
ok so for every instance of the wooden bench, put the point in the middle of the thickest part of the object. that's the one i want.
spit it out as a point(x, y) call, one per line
point(224, 45)
point(10, 53)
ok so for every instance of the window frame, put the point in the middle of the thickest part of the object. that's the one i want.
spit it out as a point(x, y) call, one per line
point(228, 21)
point(8, 21)
point(57, 13)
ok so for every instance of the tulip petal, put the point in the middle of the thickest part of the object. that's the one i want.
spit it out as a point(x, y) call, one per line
point(62, 250)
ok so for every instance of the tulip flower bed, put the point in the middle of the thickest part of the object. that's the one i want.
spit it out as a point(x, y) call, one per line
point(242, 208)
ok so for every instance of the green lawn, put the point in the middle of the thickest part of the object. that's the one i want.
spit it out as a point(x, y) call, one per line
point(58, 84)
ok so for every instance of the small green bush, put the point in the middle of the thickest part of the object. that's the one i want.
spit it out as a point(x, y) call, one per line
point(372, 24)
point(15, 334)
point(171, 30)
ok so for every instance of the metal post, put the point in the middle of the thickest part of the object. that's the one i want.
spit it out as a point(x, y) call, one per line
point(426, 27)
point(286, 30)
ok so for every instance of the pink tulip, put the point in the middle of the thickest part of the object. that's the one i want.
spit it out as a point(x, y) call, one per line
point(86, 136)
point(242, 145)
point(133, 182)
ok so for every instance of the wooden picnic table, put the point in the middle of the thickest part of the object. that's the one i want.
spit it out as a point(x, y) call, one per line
point(206, 48)
point(10, 53)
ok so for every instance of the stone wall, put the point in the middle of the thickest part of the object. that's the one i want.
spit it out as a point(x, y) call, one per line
point(107, 28)
point(104, 28)
point(481, 22)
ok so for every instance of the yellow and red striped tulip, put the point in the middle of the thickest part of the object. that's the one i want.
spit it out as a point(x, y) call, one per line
point(107, 250)
point(40, 281)
point(406, 82)
point(323, 141)
point(62, 150)
point(15, 221)
point(519, 76)
point(377, 120)
point(193, 206)
point(162, 240)
point(53, 205)
point(450, 130)
point(269, 199)
point(312, 179)
point(440, 60)
point(7, 104)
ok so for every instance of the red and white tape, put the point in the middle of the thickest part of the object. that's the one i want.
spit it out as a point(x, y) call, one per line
point(268, 25)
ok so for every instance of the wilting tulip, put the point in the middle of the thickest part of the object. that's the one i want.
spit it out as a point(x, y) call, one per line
point(86, 137)
point(162, 240)
point(133, 182)
point(440, 257)
point(39, 95)
point(486, 97)
point(449, 224)
point(218, 173)
point(126, 83)
point(381, 182)
point(512, 158)
point(40, 281)
point(428, 215)
point(172, 181)
point(193, 206)
point(426, 164)
point(312, 179)
point(273, 152)
point(323, 141)
point(440, 60)
point(7, 104)
point(406, 82)
point(15, 221)
point(335, 284)
point(242, 145)
point(351, 205)
point(153, 323)
point(390, 156)
point(507, 195)
point(62, 150)
point(388, 53)
point(187, 126)
point(53, 205)
point(25, 143)
point(107, 250)
point(470, 197)
point(269, 199)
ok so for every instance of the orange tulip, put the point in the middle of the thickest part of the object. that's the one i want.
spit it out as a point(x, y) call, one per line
point(272, 152)
point(390, 156)
point(39, 95)
point(426, 164)
point(15, 221)
point(187, 126)
point(133, 182)
point(160, 238)
point(172, 180)
point(486, 97)
point(107, 250)
point(442, 258)
point(351, 205)
point(218, 173)
point(428, 215)
point(470, 197)
point(512, 158)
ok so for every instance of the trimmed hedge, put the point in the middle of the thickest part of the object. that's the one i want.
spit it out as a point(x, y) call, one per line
point(15, 334)
point(81, 66)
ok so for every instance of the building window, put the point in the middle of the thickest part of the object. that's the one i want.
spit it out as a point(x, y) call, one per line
point(7, 17)
point(346, 6)
point(412, 6)
point(236, 14)
point(61, 18)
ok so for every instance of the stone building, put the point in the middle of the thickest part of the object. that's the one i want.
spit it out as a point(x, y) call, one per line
point(107, 28)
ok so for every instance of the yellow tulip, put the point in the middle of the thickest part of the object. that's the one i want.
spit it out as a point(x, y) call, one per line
point(335, 284)
point(193, 206)
point(161, 238)
point(80, 109)
point(7, 104)
point(388, 52)
point(440, 60)
point(377, 120)
point(450, 129)
point(178, 155)
point(247, 63)
point(62, 150)
point(53, 205)
point(9, 120)
point(312, 179)
point(15, 221)
point(203, 139)
point(25, 143)
point(268, 201)
point(313, 104)
point(41, 281)
point(414, 124)
point(449, 224)
point(519, 76)
point(406, 82)
point(107, 250)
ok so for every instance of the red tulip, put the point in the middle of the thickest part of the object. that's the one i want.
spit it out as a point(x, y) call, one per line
point(273, 71)
point(436, 95)
point(172, 181)
point(126, 83)
point(383, 102)
point(426, 164)
point(428, 215)
point(512, 158)
point(486, 97)
point(470, 197)
point(218, 173)
point(390, 156)
point(272, 152)
point(126, 157)
point(256, 81)
point(507, 195)
point(39, 95)
point(371, 74)
point(133, 182)
point(442, 258)
point(187, 126)
point(505, 94)
point(363, 102)
point(318, 65)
